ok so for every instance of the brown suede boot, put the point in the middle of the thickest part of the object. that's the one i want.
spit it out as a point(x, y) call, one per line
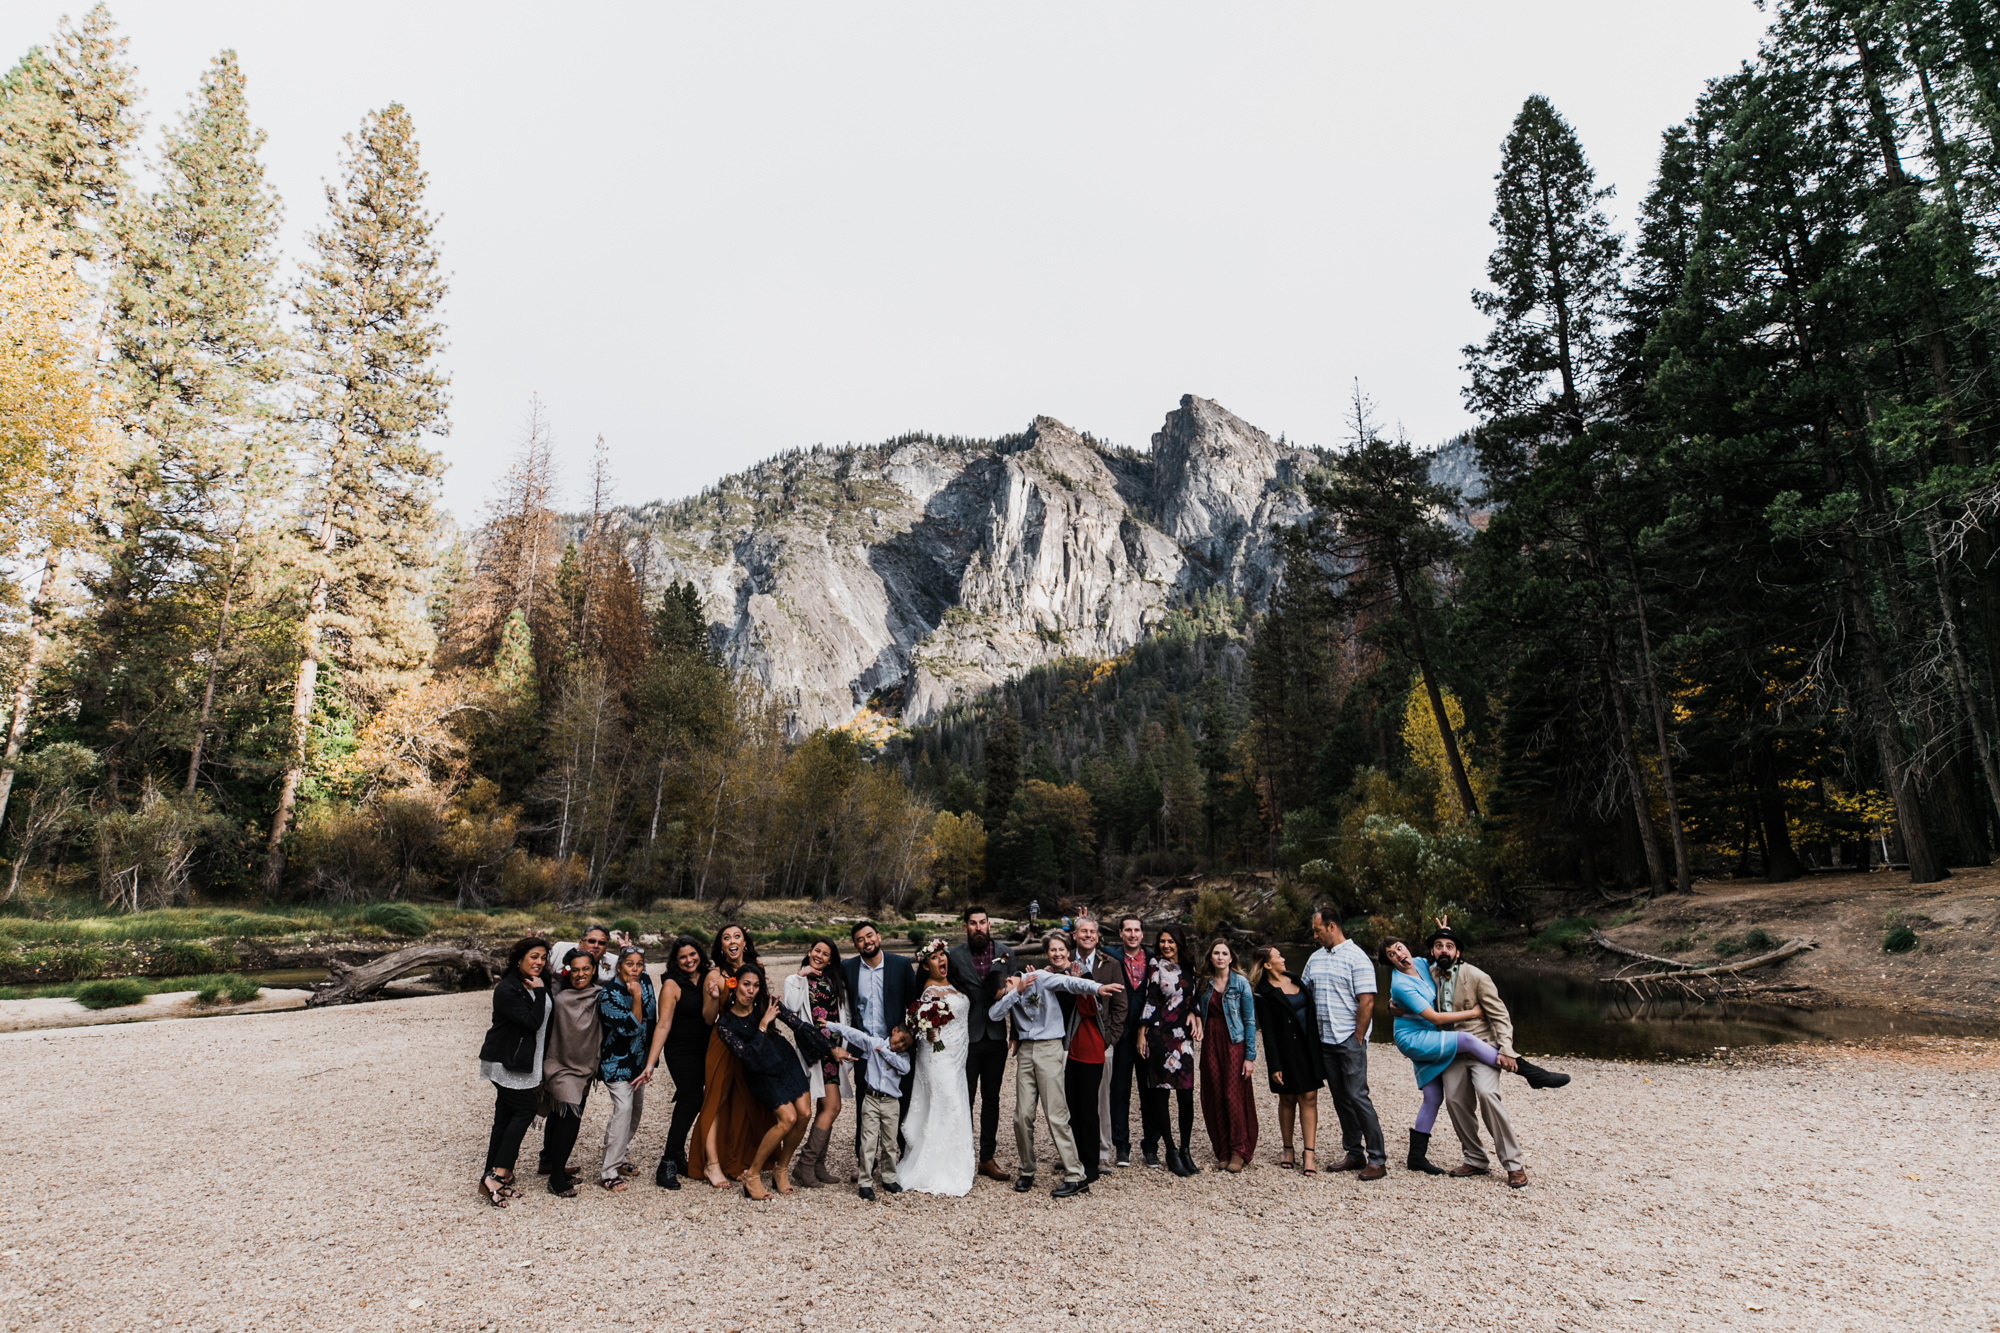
point(806, 1171)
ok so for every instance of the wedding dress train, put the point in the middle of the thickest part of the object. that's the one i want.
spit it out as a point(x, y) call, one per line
point(937, 1133)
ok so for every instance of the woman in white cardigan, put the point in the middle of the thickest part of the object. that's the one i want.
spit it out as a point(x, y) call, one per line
point(817, 994)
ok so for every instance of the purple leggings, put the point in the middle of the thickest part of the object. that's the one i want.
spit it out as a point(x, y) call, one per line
point(1427, 1111)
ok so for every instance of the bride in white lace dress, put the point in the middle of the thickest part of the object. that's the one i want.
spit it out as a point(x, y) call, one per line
point(937, 1132)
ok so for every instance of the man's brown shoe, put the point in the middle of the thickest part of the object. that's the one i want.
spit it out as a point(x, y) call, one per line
point(1463, 1169)
point(991, 1170)
point(1517, 1180)
point(1351, 1162)
point(1373, 1172)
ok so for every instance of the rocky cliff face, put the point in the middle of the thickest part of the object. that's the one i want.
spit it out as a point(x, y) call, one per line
point(907, 575)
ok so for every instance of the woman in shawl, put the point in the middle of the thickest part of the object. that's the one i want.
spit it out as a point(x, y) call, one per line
point(628, 1011)
point(511, 1059)
point(569, 1063)
point(731, 1123)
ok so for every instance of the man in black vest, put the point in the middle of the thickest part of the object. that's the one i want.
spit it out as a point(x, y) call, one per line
point(977, 967)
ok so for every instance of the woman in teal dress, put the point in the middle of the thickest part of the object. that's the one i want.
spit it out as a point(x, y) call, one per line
point(1420, 1034)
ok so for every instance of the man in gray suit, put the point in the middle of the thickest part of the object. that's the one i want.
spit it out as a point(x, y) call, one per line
point(977, 968)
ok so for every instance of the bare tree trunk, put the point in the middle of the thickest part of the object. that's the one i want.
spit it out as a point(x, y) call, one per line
point(31, 671)
point(1961, 677)
point(1451, 756)
point(1628, 756)
point(1657, 705)
point(214, 663)
point(302, 701)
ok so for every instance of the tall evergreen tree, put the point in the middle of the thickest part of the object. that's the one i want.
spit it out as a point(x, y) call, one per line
point(67, 124)
point(192, 517)
point(370, 302)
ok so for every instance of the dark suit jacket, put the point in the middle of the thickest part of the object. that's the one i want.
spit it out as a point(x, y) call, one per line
point(1135, 1000)
point(965, 979)
point(1110, 971)
point(899, 986)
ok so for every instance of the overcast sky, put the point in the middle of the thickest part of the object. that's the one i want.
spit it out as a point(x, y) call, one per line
point(711, 232)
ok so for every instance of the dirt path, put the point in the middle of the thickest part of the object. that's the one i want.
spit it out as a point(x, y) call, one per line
point(313, 1170)
point(1954, 970)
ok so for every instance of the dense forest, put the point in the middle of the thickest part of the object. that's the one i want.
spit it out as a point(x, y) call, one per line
point(1729, 604)
point(1732, 606)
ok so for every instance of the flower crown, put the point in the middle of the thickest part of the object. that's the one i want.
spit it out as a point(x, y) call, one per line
point(934, 945)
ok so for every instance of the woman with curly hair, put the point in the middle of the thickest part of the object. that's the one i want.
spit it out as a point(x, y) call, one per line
point(511, 1060)
point(771, 1073)
point(817, 994)
point(731, 1124)
point(1168, 1030)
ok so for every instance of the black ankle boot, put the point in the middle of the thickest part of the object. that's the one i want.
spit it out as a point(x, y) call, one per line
point(668, 1175)
point(1420, 1155)
point(1188, 1168)
point(1539, 1077)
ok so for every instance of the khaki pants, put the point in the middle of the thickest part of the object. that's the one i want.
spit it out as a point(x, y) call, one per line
point(881, 1116)
point(1468, 1083)
point(1038, 1076)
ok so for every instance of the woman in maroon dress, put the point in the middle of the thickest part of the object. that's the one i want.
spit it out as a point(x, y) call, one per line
point(1228, 1058)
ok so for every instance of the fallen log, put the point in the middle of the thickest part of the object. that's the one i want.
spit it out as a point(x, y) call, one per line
point(1681, 969)
point(345, 984)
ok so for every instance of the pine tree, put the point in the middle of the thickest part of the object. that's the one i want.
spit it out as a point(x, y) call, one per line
point(67, 123)
point(194, 323)
point(370, 302)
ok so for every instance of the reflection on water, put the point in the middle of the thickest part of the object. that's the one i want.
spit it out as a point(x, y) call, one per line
point(1565, 1016)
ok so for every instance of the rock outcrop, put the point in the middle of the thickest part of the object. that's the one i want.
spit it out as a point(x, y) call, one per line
point(907, 575)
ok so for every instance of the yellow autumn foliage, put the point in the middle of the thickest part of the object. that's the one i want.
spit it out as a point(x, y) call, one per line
point(52, 440)
point(1426, 750)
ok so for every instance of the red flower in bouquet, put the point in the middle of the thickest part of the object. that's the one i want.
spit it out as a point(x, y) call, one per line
point(927, 1020)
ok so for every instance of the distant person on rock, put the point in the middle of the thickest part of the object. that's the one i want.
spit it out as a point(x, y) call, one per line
point(1471, 1085)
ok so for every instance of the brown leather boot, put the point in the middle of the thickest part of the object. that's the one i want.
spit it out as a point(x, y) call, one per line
point(991, 1170)
point(1351, 1162)
point(806, 1171)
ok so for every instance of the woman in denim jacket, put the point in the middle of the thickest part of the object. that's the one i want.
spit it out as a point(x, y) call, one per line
point(1228, 1057)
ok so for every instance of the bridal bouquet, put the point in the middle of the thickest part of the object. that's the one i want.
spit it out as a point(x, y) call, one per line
point(927, 1019)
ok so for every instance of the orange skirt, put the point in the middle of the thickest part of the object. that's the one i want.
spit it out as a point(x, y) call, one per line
point(740, 1123)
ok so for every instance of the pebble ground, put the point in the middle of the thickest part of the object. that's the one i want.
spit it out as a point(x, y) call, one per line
point(315, 1170)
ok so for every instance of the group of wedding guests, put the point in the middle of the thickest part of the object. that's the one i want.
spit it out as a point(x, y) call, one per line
point(915, 1042)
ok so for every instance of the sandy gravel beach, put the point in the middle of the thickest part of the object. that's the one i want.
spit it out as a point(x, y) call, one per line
point(314, 1170)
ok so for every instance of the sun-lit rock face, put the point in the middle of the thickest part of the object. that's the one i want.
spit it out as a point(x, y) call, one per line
point(911, 574)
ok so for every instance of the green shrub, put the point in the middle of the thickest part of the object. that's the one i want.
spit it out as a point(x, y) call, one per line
point(917, 937)
point(403, 919)
point(67, 962)
point(1678, 944)
point(1900, 939)
point(1758, 940)
point(1210, 910)
point(110, 994)
point(182, 957)
point(228, 985)
point(630, 925)
point(1569, 933)
point(1625, 918)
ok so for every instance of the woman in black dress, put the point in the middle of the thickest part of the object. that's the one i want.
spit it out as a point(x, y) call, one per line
point(772, 1072)
point(1291, 1056)
point(681, 1038)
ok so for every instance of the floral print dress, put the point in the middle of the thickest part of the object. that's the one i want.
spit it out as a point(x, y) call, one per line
point(1169, 1040)
point(824, 1011)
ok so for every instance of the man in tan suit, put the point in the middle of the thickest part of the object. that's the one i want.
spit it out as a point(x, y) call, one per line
point(1468, 1084)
